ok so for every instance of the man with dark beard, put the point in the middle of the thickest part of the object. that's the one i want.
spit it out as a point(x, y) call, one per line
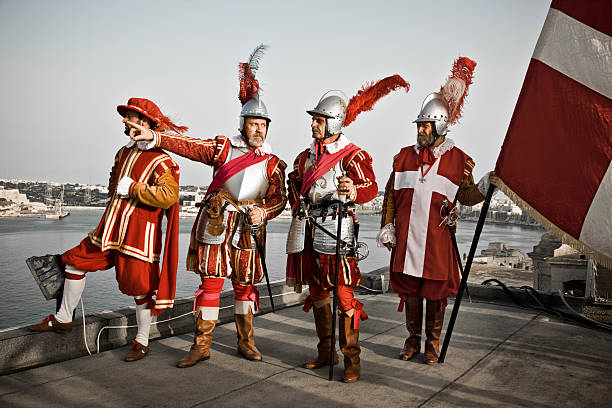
point(143, 186)
point(247, 190)
point(414, 223)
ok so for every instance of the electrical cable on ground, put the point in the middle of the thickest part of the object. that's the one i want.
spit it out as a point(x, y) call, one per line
point(153, 323)
point(572, 316)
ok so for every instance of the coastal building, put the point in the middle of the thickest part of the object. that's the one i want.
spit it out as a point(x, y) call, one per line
point(498, 254)
point(14, 204)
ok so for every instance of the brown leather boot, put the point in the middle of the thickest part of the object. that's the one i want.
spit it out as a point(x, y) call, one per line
point(349, 345)
point(51, 324)
point(323, 323)
point(414, 324)
point(244, 331)
point(200, 349)
point(434, 319)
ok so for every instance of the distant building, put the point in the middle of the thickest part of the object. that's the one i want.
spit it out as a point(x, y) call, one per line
point(499, 254)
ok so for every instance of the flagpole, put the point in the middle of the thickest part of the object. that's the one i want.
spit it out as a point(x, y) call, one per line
point(466, 272)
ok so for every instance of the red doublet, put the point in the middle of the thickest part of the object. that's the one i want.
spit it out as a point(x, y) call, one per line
point(424, 248)
point(217, 261)
point(130, 229)
point(308, 267)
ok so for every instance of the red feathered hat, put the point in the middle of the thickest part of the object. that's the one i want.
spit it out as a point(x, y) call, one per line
point(150, 110)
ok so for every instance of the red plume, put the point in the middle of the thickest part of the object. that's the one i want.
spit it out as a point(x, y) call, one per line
point(248, 84)
point(166, 124)
point(367, 96)
point(455, 90)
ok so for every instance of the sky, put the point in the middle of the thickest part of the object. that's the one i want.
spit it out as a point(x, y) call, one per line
point(66, 65)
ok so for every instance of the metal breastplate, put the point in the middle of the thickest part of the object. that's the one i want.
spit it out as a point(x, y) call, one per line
point(325, 186)
point(250, 183)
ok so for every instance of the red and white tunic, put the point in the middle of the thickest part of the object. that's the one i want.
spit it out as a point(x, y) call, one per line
point(413, 202)
point(219, 260)
point(309, 266)
point(128, 225)
point(133, 228)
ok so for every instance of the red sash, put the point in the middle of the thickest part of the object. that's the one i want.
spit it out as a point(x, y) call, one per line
point(325, 164)
point(229, 169)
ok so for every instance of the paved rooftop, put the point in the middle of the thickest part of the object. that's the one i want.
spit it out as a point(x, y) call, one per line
point(499, 356)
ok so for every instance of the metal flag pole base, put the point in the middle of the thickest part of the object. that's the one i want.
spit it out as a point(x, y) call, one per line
point(466, 272)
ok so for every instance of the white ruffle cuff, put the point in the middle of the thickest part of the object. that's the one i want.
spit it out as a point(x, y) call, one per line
point(386, 235)
point(146, 144)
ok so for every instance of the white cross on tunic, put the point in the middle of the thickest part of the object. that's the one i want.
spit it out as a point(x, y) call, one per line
point(419, 212)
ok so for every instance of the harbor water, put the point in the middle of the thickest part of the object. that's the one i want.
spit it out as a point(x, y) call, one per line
point(21, 301)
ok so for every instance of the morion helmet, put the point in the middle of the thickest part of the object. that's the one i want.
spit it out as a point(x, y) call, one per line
point(332, 106)
point(434, 109)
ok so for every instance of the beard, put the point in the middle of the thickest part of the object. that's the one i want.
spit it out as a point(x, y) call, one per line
point(424, 140)
point(256, 139)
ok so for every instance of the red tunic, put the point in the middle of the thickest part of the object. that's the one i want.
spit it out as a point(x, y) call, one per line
point(219, 260)
point(308, 267)
point(134, 228)
point(424, 248)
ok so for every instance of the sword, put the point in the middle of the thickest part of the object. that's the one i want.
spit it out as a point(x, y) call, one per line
point(253, 232)
point(454, 241)
point(335, 302)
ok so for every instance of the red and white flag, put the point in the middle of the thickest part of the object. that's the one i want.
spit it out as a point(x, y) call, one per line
point(556, 159)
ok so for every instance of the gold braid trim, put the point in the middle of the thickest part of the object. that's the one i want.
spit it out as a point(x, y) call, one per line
point(562, 235)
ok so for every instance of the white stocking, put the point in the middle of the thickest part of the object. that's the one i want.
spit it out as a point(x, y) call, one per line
point(143, 320)
point(73, 289)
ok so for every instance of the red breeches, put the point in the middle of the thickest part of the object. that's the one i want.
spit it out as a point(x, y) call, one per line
point(345, 296)
point(135, 277)
point(407, 285)
point(310, 266)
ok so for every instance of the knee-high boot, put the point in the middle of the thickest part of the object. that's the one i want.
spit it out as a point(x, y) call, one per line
point(200, 349)
point(349, 345)
point(323, 323)
point(434, 319)
point(244, 331)
point(414, 324)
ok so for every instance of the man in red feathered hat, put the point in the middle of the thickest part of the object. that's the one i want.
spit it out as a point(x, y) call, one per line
point(415, 223)
point(143, 186)
point(332, 169)
point(247, 190)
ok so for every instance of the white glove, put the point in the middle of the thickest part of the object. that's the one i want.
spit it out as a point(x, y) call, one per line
point(484, 183)
point(123, 187)
point(386, 235)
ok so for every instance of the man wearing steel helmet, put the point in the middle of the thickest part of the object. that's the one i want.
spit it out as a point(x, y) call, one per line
point(143, 186)
point(247, 190)
point(427, 179)
point(332, 168)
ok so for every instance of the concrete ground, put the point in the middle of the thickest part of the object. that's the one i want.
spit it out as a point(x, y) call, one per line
point(500, 356)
